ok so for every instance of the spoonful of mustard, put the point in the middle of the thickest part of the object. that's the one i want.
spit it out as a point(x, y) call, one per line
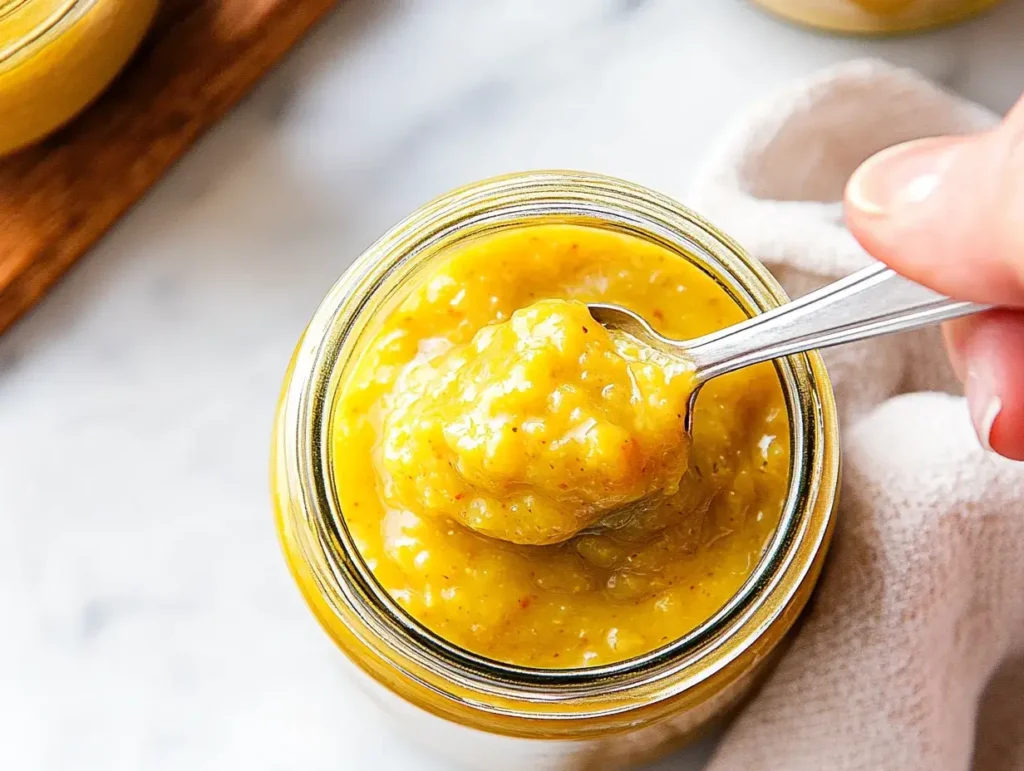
point(873, 302)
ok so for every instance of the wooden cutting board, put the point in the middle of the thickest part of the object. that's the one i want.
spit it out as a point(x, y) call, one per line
point(58, 198)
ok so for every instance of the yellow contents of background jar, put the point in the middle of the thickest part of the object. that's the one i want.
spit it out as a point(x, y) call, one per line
point(406, 485)
point(56, 56)
point(877, 17)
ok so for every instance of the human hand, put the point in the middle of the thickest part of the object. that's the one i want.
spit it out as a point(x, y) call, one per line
point(948, 212)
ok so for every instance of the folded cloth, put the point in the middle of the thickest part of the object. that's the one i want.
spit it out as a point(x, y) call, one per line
point(911, 655)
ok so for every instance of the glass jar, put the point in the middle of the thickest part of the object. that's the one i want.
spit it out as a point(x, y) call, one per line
point(876, 16)
point(487, 714)
point(56, 56)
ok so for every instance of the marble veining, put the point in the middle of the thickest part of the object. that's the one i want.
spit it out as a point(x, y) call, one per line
point(148, 619)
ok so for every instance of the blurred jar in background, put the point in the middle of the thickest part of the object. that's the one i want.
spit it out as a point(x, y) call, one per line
point(56, 56)
point(876, 16)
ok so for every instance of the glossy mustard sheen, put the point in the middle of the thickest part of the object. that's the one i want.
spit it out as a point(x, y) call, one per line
point(56, 56)
point(484, 407)
point(474, 708)
point(877, 17)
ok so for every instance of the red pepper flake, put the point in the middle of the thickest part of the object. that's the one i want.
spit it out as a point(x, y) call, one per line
point(658, 314)
point(524, 602)
point(459, 496)
point(586, 331)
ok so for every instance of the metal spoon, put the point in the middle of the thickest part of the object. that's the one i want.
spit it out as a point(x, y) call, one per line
point(871, 302)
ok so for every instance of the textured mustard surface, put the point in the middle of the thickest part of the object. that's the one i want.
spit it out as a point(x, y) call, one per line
point(489, 402)
point(537, 427)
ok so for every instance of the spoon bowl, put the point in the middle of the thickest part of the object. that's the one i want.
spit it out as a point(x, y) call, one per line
point(615, 318)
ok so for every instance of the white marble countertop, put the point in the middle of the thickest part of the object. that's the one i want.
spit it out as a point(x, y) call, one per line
point(148, 621)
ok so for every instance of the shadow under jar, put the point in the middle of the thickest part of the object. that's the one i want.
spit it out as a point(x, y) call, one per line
point(495, 712)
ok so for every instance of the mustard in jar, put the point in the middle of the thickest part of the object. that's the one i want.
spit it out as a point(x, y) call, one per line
point(877, 17)
point(56, 56)
point(490, 418)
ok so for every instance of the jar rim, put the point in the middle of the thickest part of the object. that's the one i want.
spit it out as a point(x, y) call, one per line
point(396, 640)
point(59, 16)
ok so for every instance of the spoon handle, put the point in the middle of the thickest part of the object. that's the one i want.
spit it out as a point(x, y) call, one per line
point(871, 302)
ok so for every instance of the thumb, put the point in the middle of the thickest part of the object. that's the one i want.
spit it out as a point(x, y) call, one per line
point(948, 212)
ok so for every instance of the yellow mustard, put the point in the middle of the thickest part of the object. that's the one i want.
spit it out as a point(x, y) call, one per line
point(489, 403)
point(879, 17)
point(536, 428)
point(56, 56)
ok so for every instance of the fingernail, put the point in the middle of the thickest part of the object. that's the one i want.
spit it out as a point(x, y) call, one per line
point(984, 404)
point(903, 175)
point(957, 334)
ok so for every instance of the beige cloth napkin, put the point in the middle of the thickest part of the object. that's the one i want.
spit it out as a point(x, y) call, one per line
point(911, 656)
